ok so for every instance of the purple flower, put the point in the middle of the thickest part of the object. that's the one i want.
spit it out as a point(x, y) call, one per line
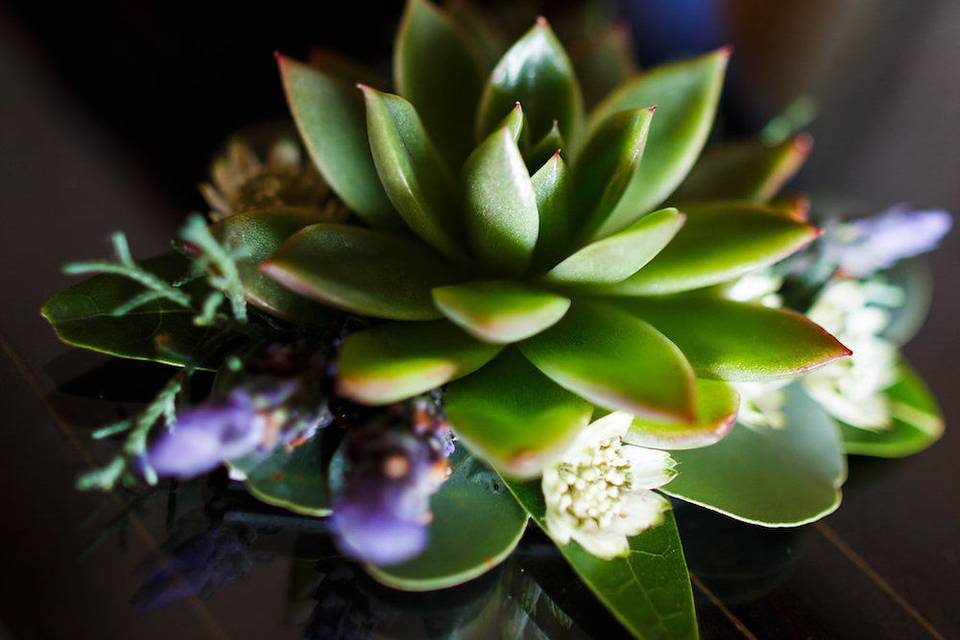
point(203, 437)
point(383, 510)
point(865, 246)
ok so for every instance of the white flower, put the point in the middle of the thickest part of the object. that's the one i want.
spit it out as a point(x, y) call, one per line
point(599, 492)
point(760, 286)
point(761, 403)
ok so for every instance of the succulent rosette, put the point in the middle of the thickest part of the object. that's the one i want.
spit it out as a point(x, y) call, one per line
point(518, 248)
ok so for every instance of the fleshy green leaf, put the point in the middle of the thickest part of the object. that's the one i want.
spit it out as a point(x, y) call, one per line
point(395, 361)
point(486, 41)
point(771, 477)
point(648, 591)
point(513, 416)
point(472, 499)
point(500, 311)
point(330, 117)
point(293, 480)
point(516, 122)
point(603, 61)
point(82, 316)
point(333, 63)
point(605, 169)
point(716, 244)
point(917, 421)
point(546, 147)
point(686, 96)
point(536, 72)
point(436, 72)
point(414, 176)
point(616, 361)
point(717, 405)
point(750, 170)
point(737, 340)
point(260, 234)
point(365, 272)
point(553, 189)
point(619, 256)
point(500, 205)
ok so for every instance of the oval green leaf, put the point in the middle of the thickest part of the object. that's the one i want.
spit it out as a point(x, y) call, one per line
point(330, 117)
point(260, 234)
point(716, 244)
point(434, 69)
point(365, 272)
point(513, 416)
point(686, 96)
point(500, 205)
point(771, 477)
point(536, 72)
point(395, 361)
point(717, 405)
point(472, 499)
point(619, 256)
point(737, 340)
point(616, 361)
point(499, 311)
point(293, 480)
point(917, 421)
point(415, 178)
point(752, 170)
point(648, 591)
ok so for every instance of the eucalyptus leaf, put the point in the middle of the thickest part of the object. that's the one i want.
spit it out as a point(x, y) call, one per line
point(738, 340)
point(500, 205)
point(414, 176)
point(365, 272)
point(917, 421)
point(435, 70)
point(717, 405)
point(686, 96)
point(620, 255)
point(294, 480)
point(513, 416)
point(260, 233)
point(752, 170)
point(500, 311)
point(616, 361)
point(605, 168)
point(771, 477)
point(718, 242)
point(536, 72)
point(330, 117)
point(158, 331)
point(648, 591)
point(395, 361)
point(472, 499)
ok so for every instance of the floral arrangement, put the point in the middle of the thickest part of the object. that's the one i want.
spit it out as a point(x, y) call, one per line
point(507, 289)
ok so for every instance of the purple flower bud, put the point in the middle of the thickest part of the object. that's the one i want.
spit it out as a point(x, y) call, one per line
point(203, 437)
point(865, 246)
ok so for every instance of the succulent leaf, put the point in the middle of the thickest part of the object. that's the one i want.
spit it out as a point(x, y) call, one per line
point(548, 145)
point(346, 69)
point(498, 311)
point(752, 171)
point(396, 361)
point(619, 256)
point(514, 416)
point(330, 117)
point(737, 340)
point(414, 176)
point(616, 361)
point(500, 205)
point(536, 72)
point(717, 405)
point(261, 233)
point(485, 40)
point(718, 242)
point(604, 61)
point(516, 122)
point(686, 96)
point(606, 166)
point(552, 185)
point(366, 272)
point(435, 70)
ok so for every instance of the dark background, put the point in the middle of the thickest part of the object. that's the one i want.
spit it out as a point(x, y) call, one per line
point(109, 113)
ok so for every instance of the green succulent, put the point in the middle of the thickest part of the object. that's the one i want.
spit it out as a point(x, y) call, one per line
point(516, 247)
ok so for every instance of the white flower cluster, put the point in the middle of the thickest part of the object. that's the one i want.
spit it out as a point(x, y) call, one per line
point(600, 491)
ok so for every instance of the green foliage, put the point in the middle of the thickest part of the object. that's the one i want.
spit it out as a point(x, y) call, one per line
point(716, 411)
point(295, 480)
